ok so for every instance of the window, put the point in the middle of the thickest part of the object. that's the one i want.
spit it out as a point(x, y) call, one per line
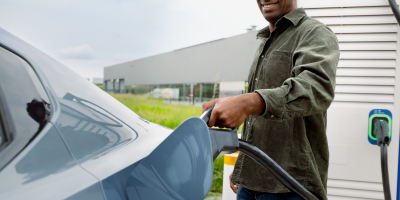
point(24, 105)
point(2, 136)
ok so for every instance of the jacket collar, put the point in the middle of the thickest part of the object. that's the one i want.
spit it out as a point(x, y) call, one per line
point(293, 17)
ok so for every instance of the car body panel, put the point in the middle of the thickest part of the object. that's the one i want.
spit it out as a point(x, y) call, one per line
point(60, 81)
point(117, 145)
point(46, 166)
point(179, 168)
point(100, 141)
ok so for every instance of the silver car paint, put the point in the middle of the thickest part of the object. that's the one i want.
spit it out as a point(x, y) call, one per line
point(60, 81)
point(46, 170)
point(96, 140)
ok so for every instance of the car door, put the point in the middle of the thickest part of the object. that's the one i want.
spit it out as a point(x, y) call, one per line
point(34, 160)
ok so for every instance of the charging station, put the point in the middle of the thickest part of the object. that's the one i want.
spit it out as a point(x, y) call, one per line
point(367, 89)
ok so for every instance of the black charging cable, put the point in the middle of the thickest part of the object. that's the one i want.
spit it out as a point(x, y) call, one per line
point(382, 129)
point(395, 10)
point(383, 140)
point(226, 141)
point(280, 174)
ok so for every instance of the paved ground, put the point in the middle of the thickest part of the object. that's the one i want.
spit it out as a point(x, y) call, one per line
point(214, 196)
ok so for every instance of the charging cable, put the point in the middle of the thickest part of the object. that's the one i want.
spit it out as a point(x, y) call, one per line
point(226, 141)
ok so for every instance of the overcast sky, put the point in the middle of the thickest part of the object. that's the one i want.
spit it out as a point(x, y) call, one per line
point(88, 35)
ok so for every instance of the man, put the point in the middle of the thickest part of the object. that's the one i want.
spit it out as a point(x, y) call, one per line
point(291, 86)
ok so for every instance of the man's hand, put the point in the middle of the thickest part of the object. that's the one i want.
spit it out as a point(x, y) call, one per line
point(233, 186)
point(231, 112)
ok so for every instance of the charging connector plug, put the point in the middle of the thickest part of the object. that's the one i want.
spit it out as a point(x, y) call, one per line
point(223, 141)
point(382, 132)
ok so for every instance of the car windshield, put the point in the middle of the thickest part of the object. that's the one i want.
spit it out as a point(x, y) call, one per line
point(2, 137)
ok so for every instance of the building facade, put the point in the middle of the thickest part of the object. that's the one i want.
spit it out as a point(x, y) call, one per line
point(210, 70)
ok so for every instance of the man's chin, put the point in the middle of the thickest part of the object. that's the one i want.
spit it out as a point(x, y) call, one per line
point(270, 19)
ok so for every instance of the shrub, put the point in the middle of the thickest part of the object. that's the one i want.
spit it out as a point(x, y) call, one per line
point(218, 174)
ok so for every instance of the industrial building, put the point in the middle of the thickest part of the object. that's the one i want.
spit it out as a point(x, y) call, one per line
point(209, 70)
point(95, 80)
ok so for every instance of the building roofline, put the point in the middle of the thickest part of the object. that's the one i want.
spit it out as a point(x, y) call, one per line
point(175, 50)
point(199, 44)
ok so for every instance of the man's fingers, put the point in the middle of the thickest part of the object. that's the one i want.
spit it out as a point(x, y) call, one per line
point(233, 186)
point(235, 189)
point(205, 107)
point(208, 105)
point(213, 118)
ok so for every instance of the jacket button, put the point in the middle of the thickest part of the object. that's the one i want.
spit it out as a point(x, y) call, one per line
point(272, 116)
point(262, 56)
point(256, 79)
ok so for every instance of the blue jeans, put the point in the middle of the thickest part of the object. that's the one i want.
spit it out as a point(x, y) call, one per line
point(245, 194)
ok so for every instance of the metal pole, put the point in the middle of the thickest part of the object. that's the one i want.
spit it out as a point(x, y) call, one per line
point(191, 91)
point(184, 91)
point(201, 91)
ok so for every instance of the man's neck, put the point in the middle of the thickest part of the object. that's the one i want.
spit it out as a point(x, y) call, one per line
point(272, 25)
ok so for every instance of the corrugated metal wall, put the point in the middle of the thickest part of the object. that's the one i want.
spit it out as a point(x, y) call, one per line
point(366, 79)
point(368, 43)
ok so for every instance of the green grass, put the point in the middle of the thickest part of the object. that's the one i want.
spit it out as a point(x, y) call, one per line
point(214, 196)
point(170, 116)
point(99, 85)
point(156, 111)
point(218, 174)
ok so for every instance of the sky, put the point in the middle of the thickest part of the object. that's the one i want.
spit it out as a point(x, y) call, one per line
point(88, 35)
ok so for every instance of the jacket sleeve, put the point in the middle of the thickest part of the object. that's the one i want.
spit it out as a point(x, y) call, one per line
point(312, 88)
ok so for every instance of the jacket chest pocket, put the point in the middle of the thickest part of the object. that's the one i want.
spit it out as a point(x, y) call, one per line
point(275, 69)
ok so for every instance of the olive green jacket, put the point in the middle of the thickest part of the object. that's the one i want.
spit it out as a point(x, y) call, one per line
point(294, 70)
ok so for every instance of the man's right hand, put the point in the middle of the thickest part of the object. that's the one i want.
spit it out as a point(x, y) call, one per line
point(233, 186)
point(230, 112)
